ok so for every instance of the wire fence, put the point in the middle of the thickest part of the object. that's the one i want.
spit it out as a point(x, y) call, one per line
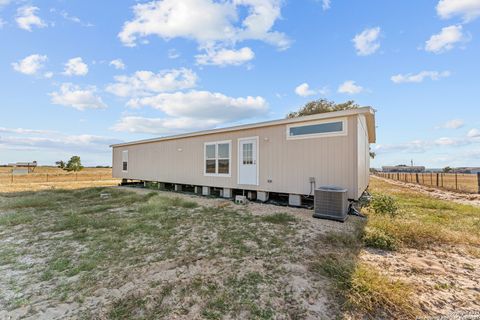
point(52, 177)
point(462, 182)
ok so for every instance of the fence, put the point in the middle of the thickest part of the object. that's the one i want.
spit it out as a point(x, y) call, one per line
point(452, 181)
point(52, 177)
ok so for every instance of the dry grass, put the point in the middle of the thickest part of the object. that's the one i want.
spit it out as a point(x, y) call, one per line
point(459, 182)
point(49, 178)
point(421, 221)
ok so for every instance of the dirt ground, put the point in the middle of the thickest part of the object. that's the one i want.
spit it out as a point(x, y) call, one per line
point(463, 198)
point(194, 284)
point(270, 275)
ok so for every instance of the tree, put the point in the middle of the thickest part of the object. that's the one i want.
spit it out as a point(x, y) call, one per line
point(322, 106)
point(447, 169)
point(74, 164)
point(60, 164)
point(372, 154)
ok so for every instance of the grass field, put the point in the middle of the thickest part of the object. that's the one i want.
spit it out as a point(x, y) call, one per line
point(149, 255)
point(459, 182)
point(44, 178)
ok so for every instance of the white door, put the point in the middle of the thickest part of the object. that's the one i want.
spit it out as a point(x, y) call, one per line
point(247, 161)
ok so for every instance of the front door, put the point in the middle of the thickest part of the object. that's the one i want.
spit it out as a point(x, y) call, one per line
point(247, 161)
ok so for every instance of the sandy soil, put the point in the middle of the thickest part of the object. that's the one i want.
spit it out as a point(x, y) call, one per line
point(463, 198)
point(446, 280)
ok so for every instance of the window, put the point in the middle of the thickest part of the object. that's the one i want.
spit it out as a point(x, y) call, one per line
point(317, 129)
point(125, 160)
point(247, 153)
point(217, 158)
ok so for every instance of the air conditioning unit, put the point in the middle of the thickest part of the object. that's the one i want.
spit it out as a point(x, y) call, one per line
point(331, 203)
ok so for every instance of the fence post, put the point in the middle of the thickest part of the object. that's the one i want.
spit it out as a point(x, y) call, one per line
point(456, 181)
point(12, 178)
point(437, 180)
point(478, 181)
point(416, 177)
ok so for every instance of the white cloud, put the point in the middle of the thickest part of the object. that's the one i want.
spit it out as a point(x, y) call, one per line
point(325, 4)
point(2, 23)
point(24, 131)
point(204, 105)
point(75, 67)
point(366, 42)
point(473, 133)
point(419, 77)
point(208, 22)
point(224, 57)
point(31, 64)
point(48, 75)
point(27, 18)
point(446, 39)
point(173, 54)
point(117, 64)
point(304, 90)
point(71, 18)
point(161, 126)
point(60, 142)
point(350, 87)
point(453, 124)
point(73, 96)
point(467, 9)
point(143, 83)
point(4, 2)
point(445, 141)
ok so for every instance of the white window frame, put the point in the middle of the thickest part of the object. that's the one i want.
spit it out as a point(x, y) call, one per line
point(216, 174)
point(344, 131)
point(123, 153)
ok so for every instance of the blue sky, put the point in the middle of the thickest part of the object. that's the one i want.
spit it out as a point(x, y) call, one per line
point(76, 76)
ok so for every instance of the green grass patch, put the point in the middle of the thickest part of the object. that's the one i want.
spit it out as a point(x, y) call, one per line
point(279, 218)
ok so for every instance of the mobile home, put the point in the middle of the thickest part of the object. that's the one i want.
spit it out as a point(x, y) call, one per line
point(287, 156)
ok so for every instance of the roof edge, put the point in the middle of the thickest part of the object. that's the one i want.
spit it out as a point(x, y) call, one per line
point(327, 115)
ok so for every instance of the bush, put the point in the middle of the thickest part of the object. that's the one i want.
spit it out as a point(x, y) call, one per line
point(376, 238)
point(384, 204)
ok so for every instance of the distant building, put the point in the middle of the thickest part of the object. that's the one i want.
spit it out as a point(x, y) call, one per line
point(403, 168)
point(23, 167)
point(473, 170)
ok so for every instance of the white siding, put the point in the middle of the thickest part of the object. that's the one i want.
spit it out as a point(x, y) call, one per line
point(288, 164)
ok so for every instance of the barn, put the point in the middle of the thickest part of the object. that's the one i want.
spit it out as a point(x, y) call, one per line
point(287, 156)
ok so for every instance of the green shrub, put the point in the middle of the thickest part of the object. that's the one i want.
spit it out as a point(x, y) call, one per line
point(376, 238)
point(384, 204)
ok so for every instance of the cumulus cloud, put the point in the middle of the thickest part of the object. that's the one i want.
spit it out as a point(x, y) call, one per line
point(350, 87)
point(224, 57)
point(162, 126)
point(75, 67)
point(453, 124)
point(469, 10)
point(446, 39)
point(473, 133)
point(212, 24)
point(75, 97)
point(117, 64)
point(30, 65)
point(304, 90)
point(366, 42)
point(419, 77)
point(204, 105)
point(143, 83)
point(27, 18)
